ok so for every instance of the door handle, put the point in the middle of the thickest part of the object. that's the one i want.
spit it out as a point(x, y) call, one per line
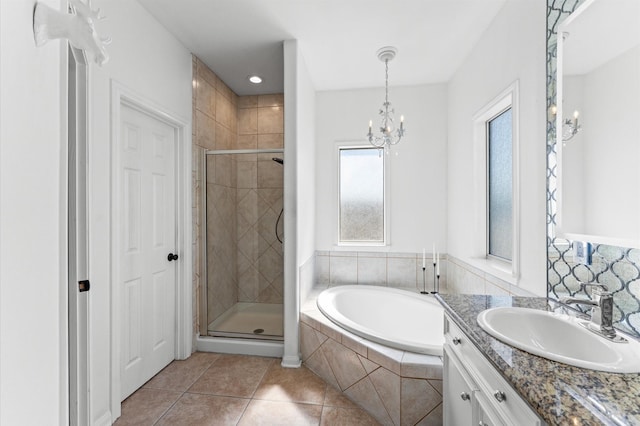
point(172, 257)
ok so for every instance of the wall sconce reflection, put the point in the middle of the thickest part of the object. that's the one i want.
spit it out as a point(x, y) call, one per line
point(570, 126)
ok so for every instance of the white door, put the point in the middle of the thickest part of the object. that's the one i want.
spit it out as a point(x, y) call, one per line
point(147, 276)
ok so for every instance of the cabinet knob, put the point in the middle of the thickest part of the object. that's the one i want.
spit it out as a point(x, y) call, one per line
point(481, 423)
point(456, 341)
point(465, 396)
point(499, 395)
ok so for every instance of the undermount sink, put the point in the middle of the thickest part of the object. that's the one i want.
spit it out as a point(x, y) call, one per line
point(560, 338)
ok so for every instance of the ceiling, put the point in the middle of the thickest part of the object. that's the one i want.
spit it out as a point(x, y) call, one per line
point(596, 33)
point(338, 39)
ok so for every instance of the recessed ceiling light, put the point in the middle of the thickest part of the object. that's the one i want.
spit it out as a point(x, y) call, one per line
point(255, 79)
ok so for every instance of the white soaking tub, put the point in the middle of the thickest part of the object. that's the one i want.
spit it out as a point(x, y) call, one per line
point(396, 318)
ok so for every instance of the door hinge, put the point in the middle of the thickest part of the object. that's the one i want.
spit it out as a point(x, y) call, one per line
point(84, 285)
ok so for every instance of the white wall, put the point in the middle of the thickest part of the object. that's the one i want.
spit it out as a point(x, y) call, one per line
point(32, 235)
point(418, 164)
point(612, 131)
point(306, 166)
point(148, 60)
point(299, 202)
point(512, 48)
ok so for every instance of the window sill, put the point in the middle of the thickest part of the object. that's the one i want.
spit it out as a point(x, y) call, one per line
point(381, 247)
point(498, 268)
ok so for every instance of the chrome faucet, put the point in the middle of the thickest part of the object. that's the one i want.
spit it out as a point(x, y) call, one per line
point(601, 311)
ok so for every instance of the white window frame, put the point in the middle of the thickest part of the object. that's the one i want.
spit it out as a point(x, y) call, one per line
point(370, 245)
point(509, 98)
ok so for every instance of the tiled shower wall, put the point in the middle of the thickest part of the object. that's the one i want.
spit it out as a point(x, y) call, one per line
point(244, 192)
point(259, 199)
point(215, 127)
point(616, 267)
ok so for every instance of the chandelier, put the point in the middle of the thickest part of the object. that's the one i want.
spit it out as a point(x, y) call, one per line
point(388, 134)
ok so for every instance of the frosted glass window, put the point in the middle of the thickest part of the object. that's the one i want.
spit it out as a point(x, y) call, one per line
point(500, 185)
point(361, 195)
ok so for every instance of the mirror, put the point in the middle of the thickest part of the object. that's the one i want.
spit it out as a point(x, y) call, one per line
point(598, 124)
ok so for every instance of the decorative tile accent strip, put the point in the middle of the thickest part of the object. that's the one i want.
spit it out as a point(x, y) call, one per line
point(394, 386)
point(616, 267)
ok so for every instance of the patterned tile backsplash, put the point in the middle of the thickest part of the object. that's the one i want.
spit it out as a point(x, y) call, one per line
point(616, 267)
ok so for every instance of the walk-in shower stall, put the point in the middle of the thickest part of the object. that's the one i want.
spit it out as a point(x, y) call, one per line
point(242, 290)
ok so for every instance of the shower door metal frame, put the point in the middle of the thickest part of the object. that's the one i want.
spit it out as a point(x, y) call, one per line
point(204, 279)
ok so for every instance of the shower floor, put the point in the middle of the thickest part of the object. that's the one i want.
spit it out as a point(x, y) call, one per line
point(250, 320)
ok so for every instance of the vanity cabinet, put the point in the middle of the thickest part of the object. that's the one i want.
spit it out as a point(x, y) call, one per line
point(475, 393)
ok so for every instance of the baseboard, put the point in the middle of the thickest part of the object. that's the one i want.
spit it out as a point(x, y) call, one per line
point(240, 346)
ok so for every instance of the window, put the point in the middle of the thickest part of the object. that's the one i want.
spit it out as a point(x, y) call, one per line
point(500, 186)
point(496, 182)
point(361, 190)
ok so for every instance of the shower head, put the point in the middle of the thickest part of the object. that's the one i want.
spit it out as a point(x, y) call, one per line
point(278, 160)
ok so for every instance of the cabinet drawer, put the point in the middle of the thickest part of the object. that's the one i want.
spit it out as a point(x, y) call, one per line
point(497, 392)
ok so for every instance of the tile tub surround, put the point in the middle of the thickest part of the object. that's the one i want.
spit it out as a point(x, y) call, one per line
point(464, 278)
point(394, 386)
point(561, 394)
point(391, 269)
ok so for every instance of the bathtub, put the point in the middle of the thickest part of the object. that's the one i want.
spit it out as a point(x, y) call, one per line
point(396, 318)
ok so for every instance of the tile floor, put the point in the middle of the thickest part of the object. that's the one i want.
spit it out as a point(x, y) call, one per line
point(216, 389)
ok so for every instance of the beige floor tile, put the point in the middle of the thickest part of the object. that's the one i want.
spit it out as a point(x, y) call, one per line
point(201, 410)
point(179, 375)
point(276, 413)
point(232, 375)
point(146, 406)
point(338, 416)
point(292, 385)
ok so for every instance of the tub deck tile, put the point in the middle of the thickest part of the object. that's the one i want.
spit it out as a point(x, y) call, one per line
point(368, 365)
point(364, 394)
point(421, 366)
point(395, 386)
point(344, 363)
point(356, 344)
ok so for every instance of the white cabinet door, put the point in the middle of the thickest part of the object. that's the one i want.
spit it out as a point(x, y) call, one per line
point(486, 416)
point(459, 392)
point(147, 278)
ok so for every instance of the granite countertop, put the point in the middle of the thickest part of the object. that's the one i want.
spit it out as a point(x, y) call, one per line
point(560, 393)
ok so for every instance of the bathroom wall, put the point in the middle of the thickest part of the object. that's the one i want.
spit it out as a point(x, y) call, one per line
point(150, 61)
point(299, 202)
point(417, 169)
point(616, 267)
point(33, 297)
point(511, 49)
point(244, 193)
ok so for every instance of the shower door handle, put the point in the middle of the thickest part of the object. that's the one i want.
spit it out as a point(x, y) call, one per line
point(172, 257)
